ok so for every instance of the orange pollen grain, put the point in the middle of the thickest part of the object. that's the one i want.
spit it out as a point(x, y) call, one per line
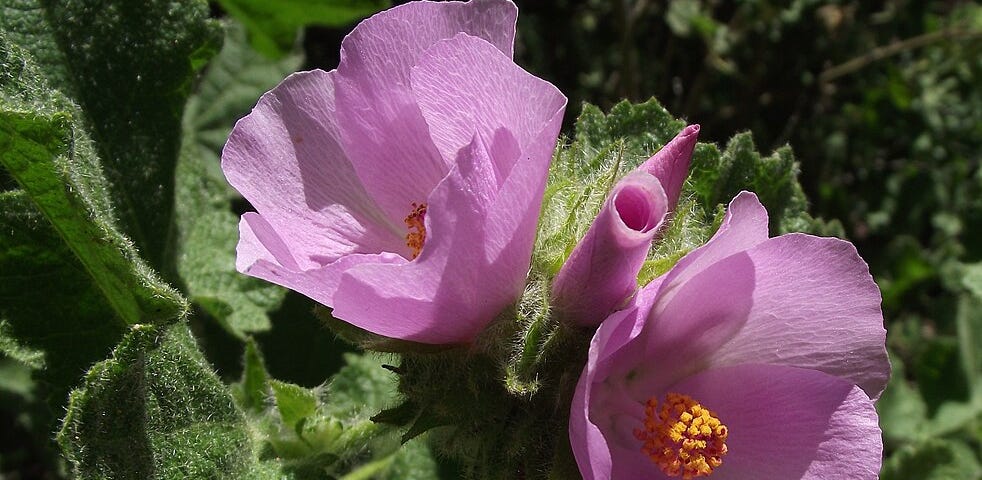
point(683, 438)
point(417, 228)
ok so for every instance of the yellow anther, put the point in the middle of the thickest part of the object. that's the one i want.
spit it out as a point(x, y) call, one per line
point(417, 228)
point(683, 438)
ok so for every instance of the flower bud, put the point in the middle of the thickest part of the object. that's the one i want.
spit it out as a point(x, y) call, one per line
point(602, 272)
point(671, 164)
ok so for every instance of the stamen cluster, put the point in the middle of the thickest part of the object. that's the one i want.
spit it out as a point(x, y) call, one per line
point(417, 228)
point(683, 438)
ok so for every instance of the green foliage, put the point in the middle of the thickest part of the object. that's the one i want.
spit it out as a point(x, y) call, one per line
point(932, 460)
point(716, 178)
point(413, 461)
point(273, 26)
point(92, 135)
point(128, 65)
point(70, 279)
point(47, 151)
point(328, 429)
point(58, 330)
point(206, 229)
point(111, 171)
point(155, 410)
point(902, 409)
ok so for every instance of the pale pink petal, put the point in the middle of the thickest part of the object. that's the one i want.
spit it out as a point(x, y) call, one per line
point(383, 131)
point(671, 164)
point(789, 422)
point(262, 254)
point(514, 217)
point(515, 114)
point(601, 273)
point(702, 301)
point(794, 300)
point(284, 158)
point(815, 305)
point(485, 90)
point(684, 329)
point(388, 44)
point(454, 288)
point(586, 438)
point(258, 240)
point(744, 226)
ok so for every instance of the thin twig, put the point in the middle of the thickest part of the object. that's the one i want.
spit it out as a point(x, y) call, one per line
point(894, 48)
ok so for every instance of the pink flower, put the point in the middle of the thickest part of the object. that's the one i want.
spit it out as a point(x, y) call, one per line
point(753, 358)
point(601, 274)
point(403, 188)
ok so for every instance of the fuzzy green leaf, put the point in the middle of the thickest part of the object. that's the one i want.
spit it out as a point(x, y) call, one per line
point(932, 460)
point(413, 461)
point(129, 66)
point(155, 410)
point(62, 328)
point(294, 403)
point(206, 228)
point(45, 149)
point(361, 389)
point(640, 129)
point(273, 26)
point(252, 392)
point(716, 177)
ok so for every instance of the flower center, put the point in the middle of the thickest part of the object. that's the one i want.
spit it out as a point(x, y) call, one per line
point(417, 229)
point(683, 438)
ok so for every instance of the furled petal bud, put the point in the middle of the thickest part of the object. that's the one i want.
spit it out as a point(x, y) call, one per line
point(671, 164)
point(602, 272)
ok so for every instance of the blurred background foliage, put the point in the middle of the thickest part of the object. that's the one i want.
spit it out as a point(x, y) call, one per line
point(880, 100)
